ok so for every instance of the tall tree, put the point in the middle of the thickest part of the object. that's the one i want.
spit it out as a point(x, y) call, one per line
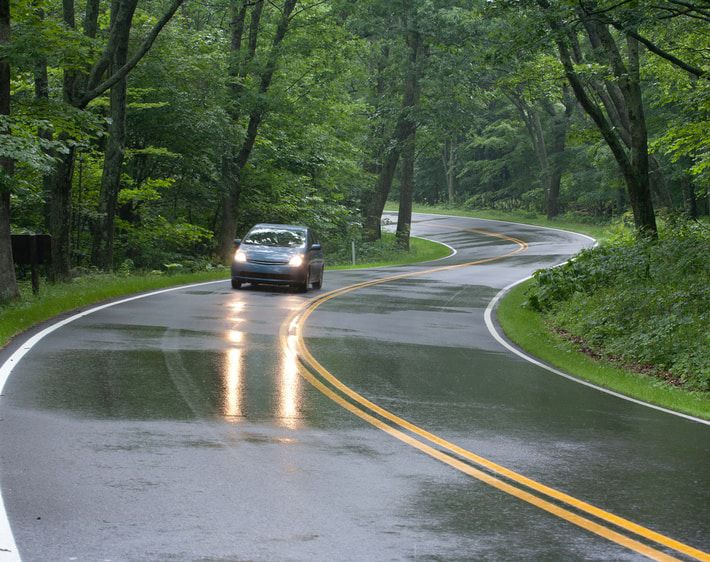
point(103, 228)
point(412, 82)
point(79, 89)
point(239, 158)
point(549, 146)
point(405, 129)
point(620, 115)
point(8, 283)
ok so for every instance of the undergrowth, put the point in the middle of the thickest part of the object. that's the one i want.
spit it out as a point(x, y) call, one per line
point(644, 303)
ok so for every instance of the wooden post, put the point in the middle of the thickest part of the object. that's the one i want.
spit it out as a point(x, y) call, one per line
point(33, 264)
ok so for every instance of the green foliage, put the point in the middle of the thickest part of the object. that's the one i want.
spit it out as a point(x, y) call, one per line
point(157, 241)
point(644, 302)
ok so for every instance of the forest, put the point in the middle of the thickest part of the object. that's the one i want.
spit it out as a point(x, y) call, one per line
point(140, 134)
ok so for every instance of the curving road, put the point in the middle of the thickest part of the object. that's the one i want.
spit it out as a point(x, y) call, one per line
point(381, 422)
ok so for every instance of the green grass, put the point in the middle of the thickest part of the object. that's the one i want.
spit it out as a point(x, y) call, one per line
point(420, 250)
point(599, 232)
point(528, 330)
point(64, 297)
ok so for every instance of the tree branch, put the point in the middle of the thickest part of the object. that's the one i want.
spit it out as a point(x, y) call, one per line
point(658, 51)
point(135, 59)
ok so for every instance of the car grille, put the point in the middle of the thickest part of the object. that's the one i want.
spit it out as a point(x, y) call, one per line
point(267, 262)
point(262, 275)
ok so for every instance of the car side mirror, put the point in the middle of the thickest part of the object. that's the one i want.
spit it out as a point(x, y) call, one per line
point(315, 246)
point(237, 242)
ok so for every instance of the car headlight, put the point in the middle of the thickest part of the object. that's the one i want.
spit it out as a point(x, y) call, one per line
point(240, 256)
point(296, 261)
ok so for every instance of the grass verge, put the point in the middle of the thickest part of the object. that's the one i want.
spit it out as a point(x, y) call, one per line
point(600, 232)
point(63, 297)
point(527, 329)
point(420, 250)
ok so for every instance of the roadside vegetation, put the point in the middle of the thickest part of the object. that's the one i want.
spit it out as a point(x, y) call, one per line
point(642, 303)
point(533, 332)
point(386, 252)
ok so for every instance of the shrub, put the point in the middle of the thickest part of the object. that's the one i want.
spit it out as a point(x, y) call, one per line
point(644, 302)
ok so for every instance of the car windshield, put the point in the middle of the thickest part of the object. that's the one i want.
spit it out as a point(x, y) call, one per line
point(276, 237)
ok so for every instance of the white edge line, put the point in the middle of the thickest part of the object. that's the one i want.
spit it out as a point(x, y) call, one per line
point(454, 251)
point(8, 548)
point(488, 316)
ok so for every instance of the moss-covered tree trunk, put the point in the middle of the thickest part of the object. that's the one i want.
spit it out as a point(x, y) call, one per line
point(104, 227)
point(411, 94)
point(8, 283)
point(404, 129)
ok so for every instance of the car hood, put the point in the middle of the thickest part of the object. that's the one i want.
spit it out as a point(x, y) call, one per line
point(269, 254)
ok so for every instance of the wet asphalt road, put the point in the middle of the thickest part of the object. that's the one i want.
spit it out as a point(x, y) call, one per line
point(176, 428)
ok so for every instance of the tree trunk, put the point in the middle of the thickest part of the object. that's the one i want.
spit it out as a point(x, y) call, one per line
point(412, 93)
point(560, 124)
point(376, 137)
point(227, 226)
point(640, 189)
point(8, 283)
point(406, 188)
point(448, 160)
point(59, 205)
point(631, 154)
point(102, 249)
point(104, 227)
point(404, 130)
point(373, 212)
point(691, 201)
point(531, 118)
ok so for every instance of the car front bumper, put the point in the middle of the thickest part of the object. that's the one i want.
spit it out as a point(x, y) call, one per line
point(249, 272)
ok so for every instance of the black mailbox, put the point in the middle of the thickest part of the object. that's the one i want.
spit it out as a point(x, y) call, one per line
point(32, 250)
point(22, 248)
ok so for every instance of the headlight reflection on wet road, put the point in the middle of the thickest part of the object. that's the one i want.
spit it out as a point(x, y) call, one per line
point(289, 390)
point(233, 372)
point(233, 384)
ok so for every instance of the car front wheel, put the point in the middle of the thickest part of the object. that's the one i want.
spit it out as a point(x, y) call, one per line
point(303, 287)
point(318, 284)
point(236, 284)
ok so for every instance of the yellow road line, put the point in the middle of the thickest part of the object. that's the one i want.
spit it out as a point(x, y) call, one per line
point(488, 479)
point(297, 321)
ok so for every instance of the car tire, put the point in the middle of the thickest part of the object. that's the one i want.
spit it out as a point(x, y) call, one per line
point(318, 284)
point(236, 284)
point(303, 287)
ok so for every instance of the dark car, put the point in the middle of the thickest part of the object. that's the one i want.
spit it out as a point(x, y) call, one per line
point(281, 254)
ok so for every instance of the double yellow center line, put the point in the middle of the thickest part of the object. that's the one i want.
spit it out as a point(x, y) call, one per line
point(544, 497)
